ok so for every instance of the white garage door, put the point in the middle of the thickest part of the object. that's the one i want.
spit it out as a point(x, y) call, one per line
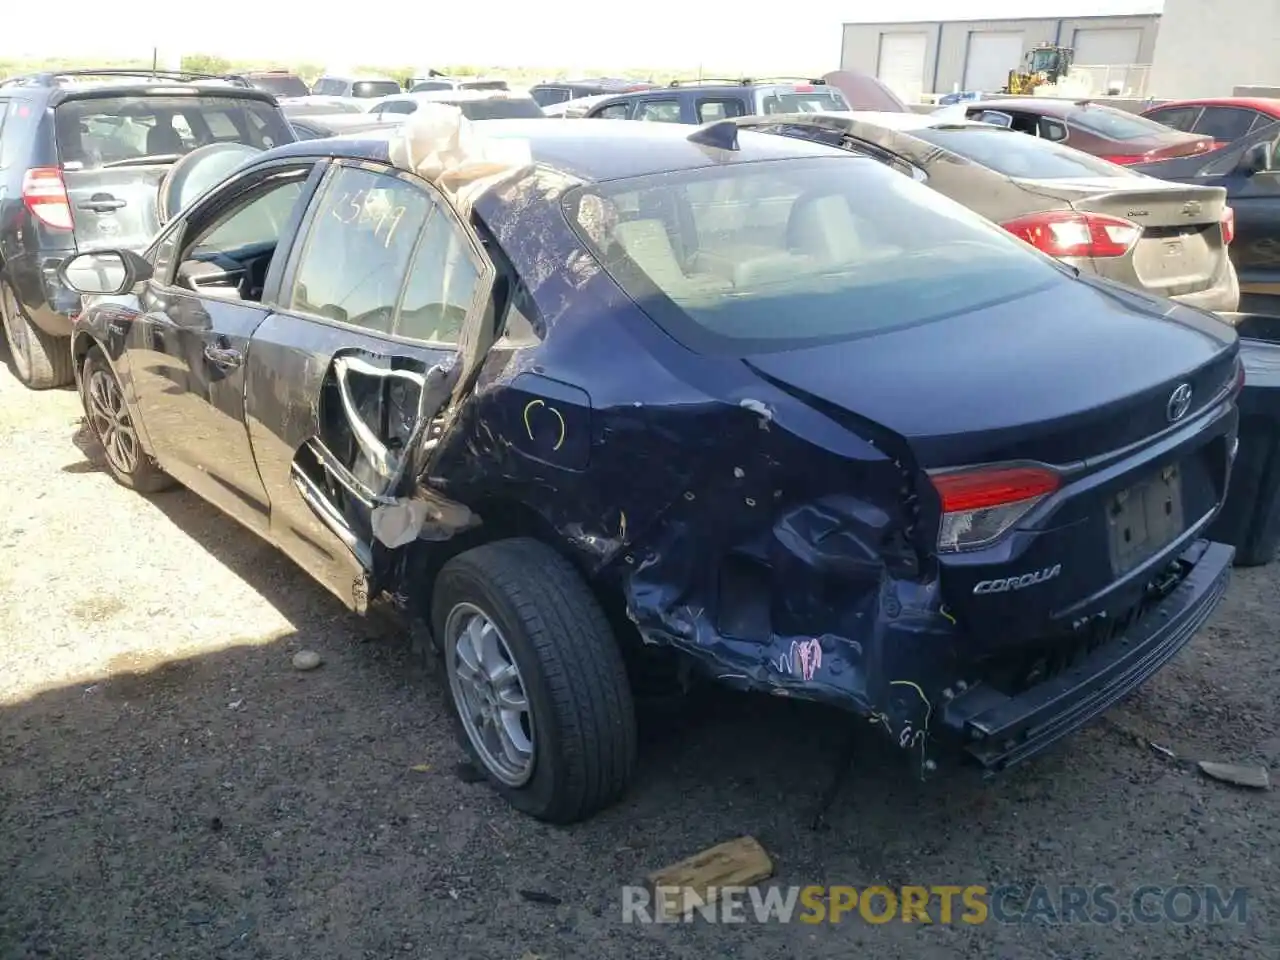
point(901, 63)
point(991, 57)
point(1099, 47)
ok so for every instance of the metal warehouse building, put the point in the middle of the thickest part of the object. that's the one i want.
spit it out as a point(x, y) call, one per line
point(938, 57)
point(1207, 48)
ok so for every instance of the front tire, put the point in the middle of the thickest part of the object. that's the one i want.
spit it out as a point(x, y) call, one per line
point(40, 360)
point(536, 679)
point(112, 424)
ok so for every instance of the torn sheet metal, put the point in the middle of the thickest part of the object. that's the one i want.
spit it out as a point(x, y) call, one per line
point(443, 147)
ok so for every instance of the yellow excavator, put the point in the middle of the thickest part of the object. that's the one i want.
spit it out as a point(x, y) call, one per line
point(1045, 63)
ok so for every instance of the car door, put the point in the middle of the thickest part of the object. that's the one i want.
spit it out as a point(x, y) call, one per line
point(378, 335)
point(216, 271)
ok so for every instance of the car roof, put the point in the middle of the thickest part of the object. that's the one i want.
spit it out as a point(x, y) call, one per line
point(595, 151)
point(1268, 105)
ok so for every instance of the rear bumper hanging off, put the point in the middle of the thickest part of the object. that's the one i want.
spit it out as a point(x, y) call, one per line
point(1000, 730)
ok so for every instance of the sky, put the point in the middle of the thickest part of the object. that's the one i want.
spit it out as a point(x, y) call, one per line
point(717, 34)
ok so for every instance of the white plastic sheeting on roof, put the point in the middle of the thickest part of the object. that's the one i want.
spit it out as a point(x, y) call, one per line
point(442, 146)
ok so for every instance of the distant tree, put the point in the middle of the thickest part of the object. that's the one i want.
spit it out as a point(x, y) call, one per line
point(205, 63)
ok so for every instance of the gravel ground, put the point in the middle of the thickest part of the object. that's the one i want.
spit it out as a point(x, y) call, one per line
point(173, 788)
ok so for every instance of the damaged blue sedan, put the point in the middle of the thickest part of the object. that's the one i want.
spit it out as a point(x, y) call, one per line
point(591, 397)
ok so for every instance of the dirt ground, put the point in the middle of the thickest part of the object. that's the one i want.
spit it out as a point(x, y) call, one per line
point(171, 787)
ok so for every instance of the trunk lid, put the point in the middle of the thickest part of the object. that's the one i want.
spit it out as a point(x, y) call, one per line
point(1062, 375)
point(1180, 250)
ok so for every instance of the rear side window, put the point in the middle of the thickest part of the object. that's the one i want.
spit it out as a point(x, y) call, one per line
point(359, 247)
point(374, 88)
point(776, 255)
point(1225, 123)
point(1179, 118)
point(1114, 124)
point(1016, 155)
point(123, 131)
point(659, 111)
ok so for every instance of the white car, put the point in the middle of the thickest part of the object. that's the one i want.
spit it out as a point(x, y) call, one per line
point(576, 108)
point(474, 104)
point(436, 83)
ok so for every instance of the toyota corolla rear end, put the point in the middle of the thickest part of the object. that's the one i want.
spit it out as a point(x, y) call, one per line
point(990, 479)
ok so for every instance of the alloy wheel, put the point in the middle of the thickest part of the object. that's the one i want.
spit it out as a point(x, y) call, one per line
point(490, 694)
point(111, 421)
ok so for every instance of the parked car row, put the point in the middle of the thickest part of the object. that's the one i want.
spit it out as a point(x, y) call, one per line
point(752, 400)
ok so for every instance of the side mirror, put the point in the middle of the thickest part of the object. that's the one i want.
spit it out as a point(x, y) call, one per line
point(1256, 159)
point(996, 118)
point(104, 272)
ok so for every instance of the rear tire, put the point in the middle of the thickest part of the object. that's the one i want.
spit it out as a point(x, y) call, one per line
point(548, 634)
point(112, 426)
point(40, 360)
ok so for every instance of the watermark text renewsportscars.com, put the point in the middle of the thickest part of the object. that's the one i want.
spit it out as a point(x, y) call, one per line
point(972, 904)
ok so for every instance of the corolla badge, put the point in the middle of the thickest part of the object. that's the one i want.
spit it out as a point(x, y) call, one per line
point(1179, 403)
point(1018, 583)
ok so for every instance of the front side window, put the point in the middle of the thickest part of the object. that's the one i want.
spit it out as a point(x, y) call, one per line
point(776, 255)
point(615, 111)
point(358, 248)
point(257, 221)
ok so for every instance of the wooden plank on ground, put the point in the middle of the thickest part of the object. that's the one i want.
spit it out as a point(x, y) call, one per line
point(699, 879)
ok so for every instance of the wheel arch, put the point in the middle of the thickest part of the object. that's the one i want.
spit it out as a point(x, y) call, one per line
point(504, 518)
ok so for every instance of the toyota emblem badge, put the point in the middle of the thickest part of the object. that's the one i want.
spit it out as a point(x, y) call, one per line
point(1179, 403)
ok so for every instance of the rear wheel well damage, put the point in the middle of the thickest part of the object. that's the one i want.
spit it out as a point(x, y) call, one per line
point(508, 519)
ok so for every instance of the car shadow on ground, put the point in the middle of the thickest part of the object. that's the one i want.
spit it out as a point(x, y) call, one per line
point(229, 805)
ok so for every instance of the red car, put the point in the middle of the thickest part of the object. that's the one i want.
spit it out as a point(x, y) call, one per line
point(1226, 119)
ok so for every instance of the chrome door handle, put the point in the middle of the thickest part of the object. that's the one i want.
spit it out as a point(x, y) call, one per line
point(224, 358)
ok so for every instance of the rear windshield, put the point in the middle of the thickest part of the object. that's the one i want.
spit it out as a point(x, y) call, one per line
point(282, 85)
point(774, 255)
point(1115, 124)
point(375, 88)
point(500, 108)
point(800, 101)
point(1018, 155)
point(123, 131)
point(426, 86)
point(484, 85)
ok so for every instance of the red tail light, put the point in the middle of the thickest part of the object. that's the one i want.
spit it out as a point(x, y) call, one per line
point(1124, 159)
point(979, 506)
point(1228, 225)
point(45, 195)
point(1064, 233)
